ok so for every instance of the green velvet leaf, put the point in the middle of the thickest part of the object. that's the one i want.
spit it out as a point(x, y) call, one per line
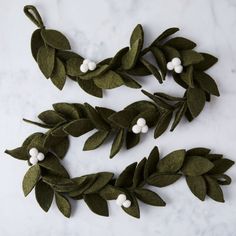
point(197, 185)
point(55, 39)
point(208, 62)
point(67, 110)
point(149, 197)
point(190, 57)
point(165, 34)
point(46, 60)
point(109, 192)
point(129, 82)
point(162, 124)
point(180, 43)
point(51, 117)
point(58, 76)
point(96, 140)
point(61, 147)
point(132, 140)
point(160, 60)
point(36, 43)
point(116, 61)
point(19, 153)
point(221, 166)
point(180, 112)
point(105, 113)
point(196, 165)
point(139, 70)
point(78, 127)
point(63, 205)
point(170, 52)
point(66, 55)
point(213, 189)
point(73, 66)
point(199, 151)
point(30, 179)
point(172, 162)
point(139, 173)
point(117, 143)
point(133, 210)
point(151, 163)
point(44, 195)
point(162, 179)
point(94, 74)
point(196, 101)
point(96, 204)
point(137, 34)
point(187, 76)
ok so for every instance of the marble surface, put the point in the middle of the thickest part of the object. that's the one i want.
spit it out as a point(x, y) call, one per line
point(97, 29)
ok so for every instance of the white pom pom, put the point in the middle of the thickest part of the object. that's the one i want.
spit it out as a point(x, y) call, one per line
point(40, 156)
point(33, 160)
point(84, 68)
point(33, 152)
point(176, 61)
point(86, 61)
point(178, 69)
point(136, 129)
point(170, 66)
point(141, 122)
point(121, 199)
point(144, 129)
point(127, 204)
point(92, 65)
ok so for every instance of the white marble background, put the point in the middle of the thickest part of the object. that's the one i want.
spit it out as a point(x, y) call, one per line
point(97, 29)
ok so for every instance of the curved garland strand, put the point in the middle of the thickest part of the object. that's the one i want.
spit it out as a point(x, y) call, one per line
point(204, 173)
point(51, 50)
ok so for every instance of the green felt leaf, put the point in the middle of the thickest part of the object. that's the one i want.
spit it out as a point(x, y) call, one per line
point(180, 43)
point(123, 118)
point(213, 189)
point(96, 140)
point(162, 179)
point(51, 117)
point(180, 112)
point(66, 55)
point(109, 80)
point(190, 57)
point(149, 197)
point(170, 52)
point(141, 106)
point(221, 166)
point(95, 118)
point(160, 60)
point(187, 76)
point(165, 34)
point(102, 180)
point(139, 173)
point(89, 87)
point(53, 164)
point(109, 192)
point(132, 140)
point(38, 142)
point(129, 82)
point(214, 157)
point(199, 151)
point(196, 101)
point(172, 162)
point(55, 39)
point(197, 185)
point(30, 179)
point(67, 110)
point(206, 83)
point(168, 97)
point(100, 70)
point(125, 179)
point(96, 204)
point(60, 148)
point(105, 113)
point(36, 43)
point(163, 123)
point(44, 195)
point(137, 34)
point(196, 165)
point(151, 163)
point(29, 139)
point(63, 205)
point(73, 66)
point(133, 210)
point(153, 70)
point(46, 60)
point(78, 127)
point(130, 58)
point(58, 76)
point(116, 61)
point(19, 153)
point(139, 70)
point(208, 62)
point(117, 143)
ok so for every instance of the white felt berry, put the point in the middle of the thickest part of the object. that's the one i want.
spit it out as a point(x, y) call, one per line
point(141, 122)
point(86, 61)
point(121, 199)
point(84, 68)
point(136, 129)
point(176, 61)
point(92, 65)
point(127, 204)
point(144, 129)
point(33, 152)
point(40, 156)
point(170, 66)
point(33, 160)
point(178, 69)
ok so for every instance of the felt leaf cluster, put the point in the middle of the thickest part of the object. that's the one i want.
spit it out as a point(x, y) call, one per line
point(75, 119)
point(204, 173)
point(51, 50)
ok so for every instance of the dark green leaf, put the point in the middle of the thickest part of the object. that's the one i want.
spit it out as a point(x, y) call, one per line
point(109, 192)
point(162, 180)
point(187, 76)
point(67, 110)
point(197, 185)
point(94, 74)
point(36, 43)
point(139, 173)
point(132, 139)
point(117, 143)
point(190, 57)
point(51, 117)
point(128, 81)
point(180, 111)
point(117, 59)
point(208, 62)
point(170, 52)
point(73, 66)
point(221, 166)
point(165, 34)
point(133, 210)
point(199, 151)
point(58, 76)
point(163, 123)
point(213, 189)
point(151, 163)
point(180, 43)
point(63, 205)
point(137, 34)
point(161, 60)
point(61, 147)
point(20, 153)
point(105, 113)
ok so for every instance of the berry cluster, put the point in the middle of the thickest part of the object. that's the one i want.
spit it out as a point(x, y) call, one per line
point(122, 201)
point(88, 65)
point(140, 126)
point(175, 64)
point(35, 156)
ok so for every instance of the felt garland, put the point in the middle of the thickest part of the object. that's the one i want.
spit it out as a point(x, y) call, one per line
point(204, 173)
point(51, 50)
point(125, 126)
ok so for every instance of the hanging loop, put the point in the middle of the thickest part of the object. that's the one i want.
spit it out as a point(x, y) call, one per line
point(32, 13)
